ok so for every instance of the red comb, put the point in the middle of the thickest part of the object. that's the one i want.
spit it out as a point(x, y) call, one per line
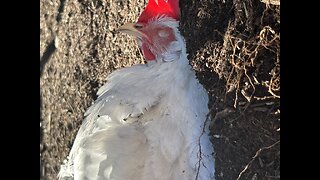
point(170, 8)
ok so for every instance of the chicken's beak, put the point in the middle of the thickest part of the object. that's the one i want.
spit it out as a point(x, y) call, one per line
point(130, 29)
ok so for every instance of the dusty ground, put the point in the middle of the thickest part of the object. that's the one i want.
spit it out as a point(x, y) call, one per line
point(233, 45)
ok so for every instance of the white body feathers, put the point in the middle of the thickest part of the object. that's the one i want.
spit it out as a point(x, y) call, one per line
point(148, 123)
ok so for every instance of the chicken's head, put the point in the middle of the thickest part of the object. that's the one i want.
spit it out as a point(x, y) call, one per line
point(156, 29)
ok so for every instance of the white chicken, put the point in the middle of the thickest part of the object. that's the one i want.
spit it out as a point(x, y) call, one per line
point(149, 121)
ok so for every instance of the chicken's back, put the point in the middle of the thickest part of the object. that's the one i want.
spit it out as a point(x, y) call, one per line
point(145, 128)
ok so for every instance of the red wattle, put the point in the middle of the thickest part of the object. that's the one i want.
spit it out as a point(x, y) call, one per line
point(147, 53)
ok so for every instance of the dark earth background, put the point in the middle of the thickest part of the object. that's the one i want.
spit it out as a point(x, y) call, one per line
point(233, 45)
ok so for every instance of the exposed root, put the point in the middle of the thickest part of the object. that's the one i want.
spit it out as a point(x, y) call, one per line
point(254, 157)
point(244, 57)
point(199, 140)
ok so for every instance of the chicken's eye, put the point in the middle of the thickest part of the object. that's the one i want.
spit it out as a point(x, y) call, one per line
point(138, 26)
